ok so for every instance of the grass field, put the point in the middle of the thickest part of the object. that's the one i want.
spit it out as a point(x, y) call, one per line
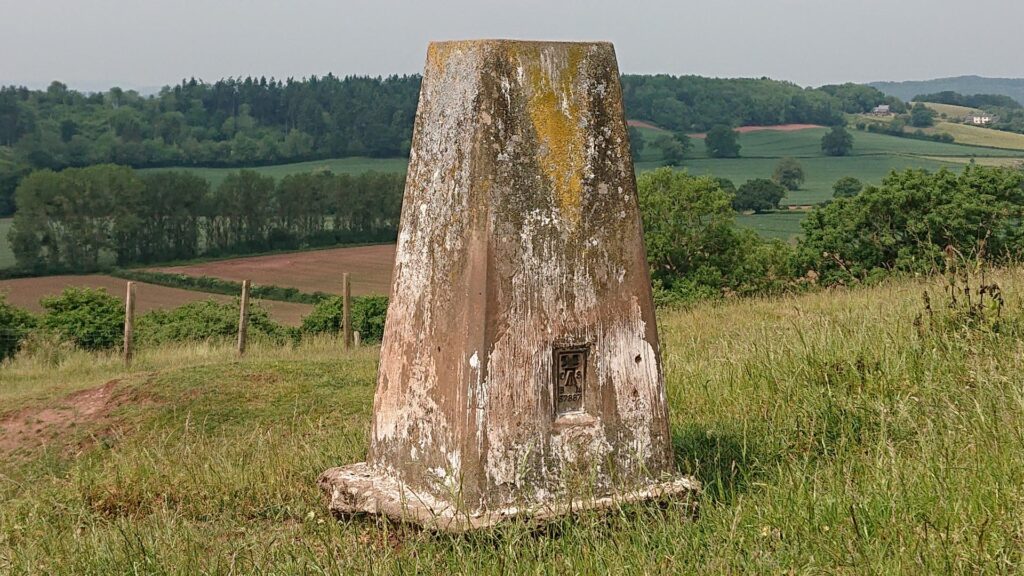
point(311, 271)
point(784, 224)
point(807, 144)
point(831, 438)
point(26, 292)
point(978, 136)
point(6, 254)
point(874, 156)
point(336, 165)
point(952, 110)
point(821, 172)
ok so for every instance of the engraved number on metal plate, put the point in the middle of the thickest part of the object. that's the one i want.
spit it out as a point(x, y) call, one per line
point(570, 375)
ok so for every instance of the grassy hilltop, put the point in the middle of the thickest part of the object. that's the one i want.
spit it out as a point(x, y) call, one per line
point(833, 432)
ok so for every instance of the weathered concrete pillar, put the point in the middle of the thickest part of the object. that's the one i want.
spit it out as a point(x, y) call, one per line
point(520, 370)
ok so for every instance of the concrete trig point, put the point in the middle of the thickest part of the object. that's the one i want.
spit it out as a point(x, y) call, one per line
point(520, 371)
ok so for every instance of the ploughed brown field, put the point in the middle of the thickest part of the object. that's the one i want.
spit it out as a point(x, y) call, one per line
point(26, 292)
point(369, 268)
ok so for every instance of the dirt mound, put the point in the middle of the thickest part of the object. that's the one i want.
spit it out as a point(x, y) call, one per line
point(84, 410)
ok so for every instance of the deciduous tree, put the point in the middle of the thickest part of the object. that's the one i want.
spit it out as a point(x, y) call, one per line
point(837, 142)
point(722, 142)
point(789, 174)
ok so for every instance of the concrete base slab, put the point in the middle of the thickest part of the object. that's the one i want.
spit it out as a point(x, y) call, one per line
point(357, 489)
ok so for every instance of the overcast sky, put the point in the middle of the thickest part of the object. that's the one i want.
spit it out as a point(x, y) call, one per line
point(92, 44)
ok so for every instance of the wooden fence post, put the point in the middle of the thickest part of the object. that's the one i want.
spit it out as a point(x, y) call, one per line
point(357, 339)
point(129, 322)
point(243, 318)
point(346, 311)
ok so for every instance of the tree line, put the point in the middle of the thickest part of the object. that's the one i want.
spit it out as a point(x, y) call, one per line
point(82, 219)
point(233, 122)
point(245, 122)
point(697, 104)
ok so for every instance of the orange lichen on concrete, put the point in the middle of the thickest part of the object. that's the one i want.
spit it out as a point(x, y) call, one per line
point(557, 118)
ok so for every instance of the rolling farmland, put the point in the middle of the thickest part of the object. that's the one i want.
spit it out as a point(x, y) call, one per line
point(978, 136)
point(873, 157)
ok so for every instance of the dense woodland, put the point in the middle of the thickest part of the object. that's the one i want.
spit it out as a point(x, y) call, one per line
point(255, 121)
point(907, 90)
point(81, 219)
point(695, 103)
point(232, 122)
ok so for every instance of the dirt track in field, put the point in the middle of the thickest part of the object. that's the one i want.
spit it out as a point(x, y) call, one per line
point(644, 124)
point(369, 268)
point(778, 128)
point(26, 292)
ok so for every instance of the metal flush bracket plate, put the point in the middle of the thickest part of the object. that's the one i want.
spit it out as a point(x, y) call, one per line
point(570, 378)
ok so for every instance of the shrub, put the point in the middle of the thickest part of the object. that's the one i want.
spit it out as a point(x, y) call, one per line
point(368, 315)
point(89, 318)
point(204, 320)
point(220, 286)
point(45, 347)
point(905, 224)
point(15, 325)
point(693, 246)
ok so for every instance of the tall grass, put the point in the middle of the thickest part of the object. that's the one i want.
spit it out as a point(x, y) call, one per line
point(832, 434)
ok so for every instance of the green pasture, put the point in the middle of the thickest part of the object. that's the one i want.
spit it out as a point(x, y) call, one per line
point(6, 254)
point(336, 165)
point(834, 432)
point(873, 157)
point(784, 224)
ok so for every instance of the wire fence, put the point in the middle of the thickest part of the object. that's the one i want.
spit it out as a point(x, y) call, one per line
point(14, 338)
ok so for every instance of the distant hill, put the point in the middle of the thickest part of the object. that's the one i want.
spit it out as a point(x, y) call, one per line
point(1012, 87)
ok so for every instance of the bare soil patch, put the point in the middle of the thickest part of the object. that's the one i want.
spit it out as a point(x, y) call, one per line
point(26, 292)
point(369, 268)
point(36, 426)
